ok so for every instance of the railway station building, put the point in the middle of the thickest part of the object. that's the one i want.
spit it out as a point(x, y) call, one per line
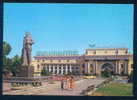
point(94, 61)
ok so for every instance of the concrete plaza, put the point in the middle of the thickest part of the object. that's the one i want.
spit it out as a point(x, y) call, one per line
point(54, 89)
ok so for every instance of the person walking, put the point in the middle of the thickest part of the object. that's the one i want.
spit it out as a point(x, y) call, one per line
point(65, 82)
point(62, 83)
point(68, 82)
point(72, 83)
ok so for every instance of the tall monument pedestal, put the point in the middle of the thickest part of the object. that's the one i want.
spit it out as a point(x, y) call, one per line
point(26, 71)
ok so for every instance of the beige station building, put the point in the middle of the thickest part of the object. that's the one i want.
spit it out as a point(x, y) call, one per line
point(94, 61)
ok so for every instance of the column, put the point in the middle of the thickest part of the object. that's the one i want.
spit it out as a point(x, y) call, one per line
point(116, 68)
point(45, 67)
point(70, 68)
point(88, 68)
point(53, 69)
point(94, 67)
point(62, 69)
point(66, 69)
point(119, 68)
point(49, 68)
point(81, 68)
point(126, 67)
point(78, 69)
point(57, 69)
point(97, 69)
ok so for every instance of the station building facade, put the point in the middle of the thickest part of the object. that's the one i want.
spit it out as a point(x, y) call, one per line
point(116, 60)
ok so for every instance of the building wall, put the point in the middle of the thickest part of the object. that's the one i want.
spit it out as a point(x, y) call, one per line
point(130, 64)
point(106, 51)
point(37, 70)
point(84, 65)
point(56, 61)
point(40, 64)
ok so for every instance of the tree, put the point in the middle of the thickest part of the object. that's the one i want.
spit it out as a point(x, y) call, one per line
point(131, 77)
point(10, 64)
point(45, 72)
point(16, 64)
point(106, 74)
point(6, 48)
point(6, 66)
point(7, 62)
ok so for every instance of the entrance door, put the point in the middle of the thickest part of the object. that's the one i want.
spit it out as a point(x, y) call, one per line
point(107, 70)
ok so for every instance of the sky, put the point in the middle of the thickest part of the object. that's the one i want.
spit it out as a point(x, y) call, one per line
point(68, 26)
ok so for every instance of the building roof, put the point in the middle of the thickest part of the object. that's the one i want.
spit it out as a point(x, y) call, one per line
point(58, 53)
point(96, 57)
point(107, 48)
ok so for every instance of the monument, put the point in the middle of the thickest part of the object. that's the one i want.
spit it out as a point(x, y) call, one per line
point(26, 69)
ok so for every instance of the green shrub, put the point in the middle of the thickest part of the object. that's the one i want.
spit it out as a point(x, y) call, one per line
point(106, 74)
point(45, 73)
point(131, 77)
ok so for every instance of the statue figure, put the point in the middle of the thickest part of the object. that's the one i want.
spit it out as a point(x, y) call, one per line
point(27, 48)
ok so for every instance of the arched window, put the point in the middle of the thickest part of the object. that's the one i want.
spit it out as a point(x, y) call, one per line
point(107, 66)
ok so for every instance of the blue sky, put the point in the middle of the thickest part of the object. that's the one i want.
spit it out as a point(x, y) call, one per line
point(68, 26)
